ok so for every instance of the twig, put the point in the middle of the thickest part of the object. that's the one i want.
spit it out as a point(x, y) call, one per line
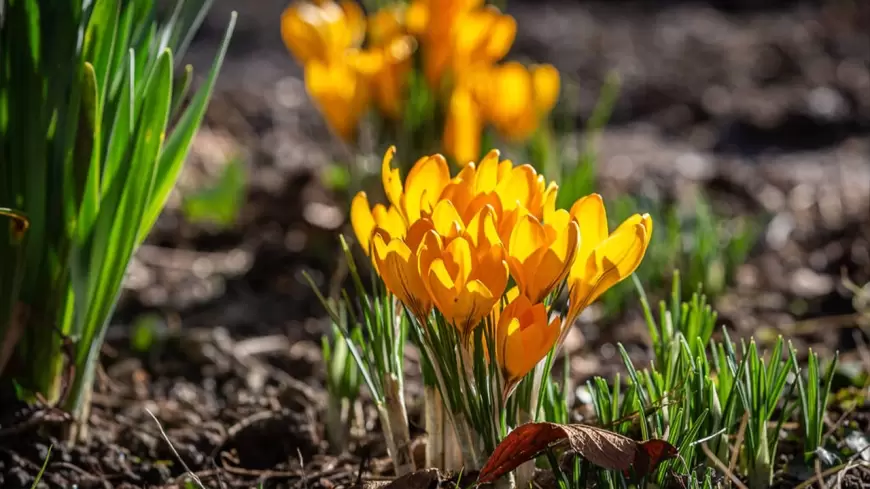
point(174, 451)
point(839, 422)
point(741, 432)
point(833, 470)
point(302, 468)
point(818, 467)
point(721, 466)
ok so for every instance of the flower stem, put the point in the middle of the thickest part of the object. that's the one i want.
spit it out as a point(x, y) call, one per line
point(394, 419)
point(434, 418)
point(337, 423)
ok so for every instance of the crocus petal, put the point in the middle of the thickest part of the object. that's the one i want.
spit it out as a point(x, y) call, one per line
point(389, 219)
point(340, 93)
point(391, 179)
point(592, 218)
point(501, 37)
point(355, 22)
point(524, 338)
point(362, 220)
point(519, 187)
point(545, 80)
point(463, 127)
point(482, 229)
point(424, 184)
point(446, 219)
point(487, 176)
point(555, 262)
point(458, 253)
point(441, 286)
point(528, 236)
point(613, 260)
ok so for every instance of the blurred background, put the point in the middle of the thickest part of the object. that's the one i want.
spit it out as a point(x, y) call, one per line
point(760, 107)
point(743, 125)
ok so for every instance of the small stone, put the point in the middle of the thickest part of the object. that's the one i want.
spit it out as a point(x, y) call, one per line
point(808, 284)
point(323, 216)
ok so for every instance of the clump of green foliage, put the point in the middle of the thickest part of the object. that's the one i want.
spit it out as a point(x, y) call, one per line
point(95, 125)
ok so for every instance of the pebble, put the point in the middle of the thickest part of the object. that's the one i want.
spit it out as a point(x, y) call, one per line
point(808, 284)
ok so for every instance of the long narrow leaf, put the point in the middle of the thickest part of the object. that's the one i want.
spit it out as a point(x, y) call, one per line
point(178, 144)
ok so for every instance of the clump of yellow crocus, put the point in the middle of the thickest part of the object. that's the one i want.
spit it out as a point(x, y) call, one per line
point(342, 77)
point(353, 63)
point(451, 244)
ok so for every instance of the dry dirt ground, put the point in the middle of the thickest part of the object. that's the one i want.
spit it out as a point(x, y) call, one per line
point(765, 104)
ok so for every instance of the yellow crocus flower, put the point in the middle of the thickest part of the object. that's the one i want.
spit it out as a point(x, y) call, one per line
point(386, 24)
point(389, 80)
point(482, 36)
point(464, 282)
point(540, 254)
point(516, 98)
point(365, 219)
point(340, 92)
point(523, 337)
point(604, 259)
point(422, 188)
point(435, 23)
point(397, 263)
point(502, 185)
point(322, 30)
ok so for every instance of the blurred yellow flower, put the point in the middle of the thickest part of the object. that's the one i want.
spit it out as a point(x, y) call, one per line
point(481, 37)
point(458, 34)
point(540, 254)
point(463, 127)
point(390, 79)
point(386, 24)
point(322, 30)
point(341, 93)
point(523, 337)
point(464, 282)
point(396, 261)
point(515, 98)
point(435, 23)
point(603, 259)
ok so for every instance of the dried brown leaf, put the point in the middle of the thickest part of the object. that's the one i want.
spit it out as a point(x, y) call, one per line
point(599, 446)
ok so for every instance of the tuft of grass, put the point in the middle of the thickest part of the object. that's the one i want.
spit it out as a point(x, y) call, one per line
point(813, 393)
point(94, 128)
point(715, 400)
point(343, 380)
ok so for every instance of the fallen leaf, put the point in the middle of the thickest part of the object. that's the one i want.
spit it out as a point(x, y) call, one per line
point(599, 446)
